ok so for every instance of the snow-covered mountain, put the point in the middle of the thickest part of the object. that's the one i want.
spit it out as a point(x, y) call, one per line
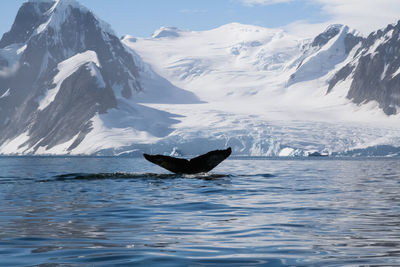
point(268, 92)
point(324, 53)
point(69, 85)
point(220, 63)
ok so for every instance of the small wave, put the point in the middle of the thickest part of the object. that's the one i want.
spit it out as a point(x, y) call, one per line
point(127, 175)
point(265, 175)
point(12, 180)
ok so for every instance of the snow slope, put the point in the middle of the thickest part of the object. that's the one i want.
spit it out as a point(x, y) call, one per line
point(243, 73)
point(232, 55)
point(60, 12)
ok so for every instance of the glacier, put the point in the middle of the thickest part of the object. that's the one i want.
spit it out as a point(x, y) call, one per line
point(244, 74)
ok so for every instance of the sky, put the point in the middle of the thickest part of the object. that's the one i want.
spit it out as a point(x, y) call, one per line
point(141, 18)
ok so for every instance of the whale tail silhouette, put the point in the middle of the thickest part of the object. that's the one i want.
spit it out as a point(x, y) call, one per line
point(202, 163)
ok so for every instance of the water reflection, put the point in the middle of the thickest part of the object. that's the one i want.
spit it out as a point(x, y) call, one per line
point(259, 212)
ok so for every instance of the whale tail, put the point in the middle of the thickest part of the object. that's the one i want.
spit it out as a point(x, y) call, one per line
point(202, 163)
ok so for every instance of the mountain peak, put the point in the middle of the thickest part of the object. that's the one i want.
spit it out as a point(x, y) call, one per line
point(334, 27)
point(167, 32)
point(29, 17)
point(37, 16)
point(61, 11)
point(330, 32)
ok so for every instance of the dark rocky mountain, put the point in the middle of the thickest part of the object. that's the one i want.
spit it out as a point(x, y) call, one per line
point(375, 70)
point(373, 67)
point(60, 65)
point(48, 33)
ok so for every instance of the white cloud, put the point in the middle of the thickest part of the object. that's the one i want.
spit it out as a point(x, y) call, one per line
point(304, 29)
point(9, 71)
point(365, 16)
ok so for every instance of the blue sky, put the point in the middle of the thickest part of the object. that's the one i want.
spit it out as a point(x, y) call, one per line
point(142, 17)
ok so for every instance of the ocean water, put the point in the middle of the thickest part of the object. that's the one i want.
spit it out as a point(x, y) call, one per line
point(88, 211)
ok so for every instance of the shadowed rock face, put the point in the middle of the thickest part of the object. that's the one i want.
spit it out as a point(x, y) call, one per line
point(375, 77)
point(328, 34)
point(84, 100)
point(341, 75)
point(200, 164)
point(374, 70)
point(80, 97)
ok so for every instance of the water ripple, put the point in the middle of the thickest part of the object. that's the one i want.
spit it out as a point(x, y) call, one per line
point(121, 212)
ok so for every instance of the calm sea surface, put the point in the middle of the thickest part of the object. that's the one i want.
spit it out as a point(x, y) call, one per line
point(255, 212)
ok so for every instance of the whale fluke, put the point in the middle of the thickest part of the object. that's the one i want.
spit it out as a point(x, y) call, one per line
point(202, 163)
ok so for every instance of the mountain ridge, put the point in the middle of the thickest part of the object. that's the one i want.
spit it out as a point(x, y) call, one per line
point(69, 85)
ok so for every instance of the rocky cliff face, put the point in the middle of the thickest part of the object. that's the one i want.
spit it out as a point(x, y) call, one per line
point(371, 64)
point(375, 70)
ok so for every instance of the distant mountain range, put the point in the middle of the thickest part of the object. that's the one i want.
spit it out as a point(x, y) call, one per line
point(69, 85)
point(370, 66)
